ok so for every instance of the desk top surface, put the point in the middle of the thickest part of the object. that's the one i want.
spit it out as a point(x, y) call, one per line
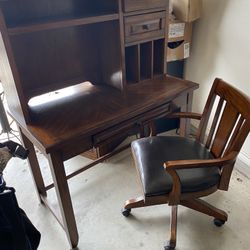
point(87, 109)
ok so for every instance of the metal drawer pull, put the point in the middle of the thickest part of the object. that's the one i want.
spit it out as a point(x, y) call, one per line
point(145, 26)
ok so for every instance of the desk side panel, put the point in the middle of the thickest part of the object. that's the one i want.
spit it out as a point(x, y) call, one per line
point(10, 78)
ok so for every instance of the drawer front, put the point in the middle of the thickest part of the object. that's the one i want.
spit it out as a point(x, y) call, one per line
point(135, 5)
point(156, 113)
point(143, 27)
point(114, 132)
point(130, 127)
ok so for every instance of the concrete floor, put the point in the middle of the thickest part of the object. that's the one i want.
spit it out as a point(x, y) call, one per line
point(98, 195)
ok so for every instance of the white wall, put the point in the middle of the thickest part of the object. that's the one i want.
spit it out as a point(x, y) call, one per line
point(221, 48)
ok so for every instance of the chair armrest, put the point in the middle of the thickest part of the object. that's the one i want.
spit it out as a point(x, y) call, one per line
point(181, 164)
point(172, 166)
point(189, 115)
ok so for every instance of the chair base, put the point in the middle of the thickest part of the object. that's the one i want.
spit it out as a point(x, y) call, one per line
point(173, 229)
point(220, 216)
point(168, 246)
point(205, 208)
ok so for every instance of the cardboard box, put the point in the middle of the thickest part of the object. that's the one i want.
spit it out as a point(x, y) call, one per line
point(179, 40)
point(187, 10)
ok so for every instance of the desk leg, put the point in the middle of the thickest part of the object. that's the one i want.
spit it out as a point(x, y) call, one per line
point(185, 123)
point(34, 166)
point(63, 196)
point(189, 109)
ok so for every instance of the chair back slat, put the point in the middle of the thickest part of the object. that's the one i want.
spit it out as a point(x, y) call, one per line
point(215, 121)
point(235, 133)
point(240, 138)
point(206, 113)
point(230, 121)
point(224, 130)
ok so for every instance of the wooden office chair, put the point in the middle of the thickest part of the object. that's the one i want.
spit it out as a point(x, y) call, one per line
point(179, 170)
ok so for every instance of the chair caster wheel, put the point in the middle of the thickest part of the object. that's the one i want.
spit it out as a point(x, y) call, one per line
point(218, 222)
point(126, 212)
point(168, 246)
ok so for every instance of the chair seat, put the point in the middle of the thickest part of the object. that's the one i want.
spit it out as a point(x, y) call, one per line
point(150, 154)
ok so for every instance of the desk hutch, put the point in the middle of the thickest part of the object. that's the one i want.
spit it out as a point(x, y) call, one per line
point(111, 57)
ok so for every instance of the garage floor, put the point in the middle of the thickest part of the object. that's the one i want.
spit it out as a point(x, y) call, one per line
point(98, 196)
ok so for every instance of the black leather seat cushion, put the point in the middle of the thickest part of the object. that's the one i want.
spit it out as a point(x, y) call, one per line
point(150, 153)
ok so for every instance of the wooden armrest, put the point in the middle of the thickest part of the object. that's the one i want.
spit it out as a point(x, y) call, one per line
point(190, 115)
point(172, 166)
point(180, 164)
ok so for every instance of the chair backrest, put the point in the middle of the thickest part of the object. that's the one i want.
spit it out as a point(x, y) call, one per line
point(231, 121)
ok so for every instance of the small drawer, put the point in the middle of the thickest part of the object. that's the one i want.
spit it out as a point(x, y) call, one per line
point(108, 135)
point(136, 5)
point(129, 127)
point(156, 113)
point(143, 27)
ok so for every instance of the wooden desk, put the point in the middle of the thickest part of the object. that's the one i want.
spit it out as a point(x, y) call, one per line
point(120, 46)
point(88, 124)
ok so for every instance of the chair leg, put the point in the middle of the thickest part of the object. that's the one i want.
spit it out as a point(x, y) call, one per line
point(135, 203)
point(132, 203)
point(205, 208)
point(143, 202)
point(146, 201)
point(173, 229)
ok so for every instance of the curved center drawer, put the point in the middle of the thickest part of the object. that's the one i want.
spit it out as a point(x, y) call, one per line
point(131, 126)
